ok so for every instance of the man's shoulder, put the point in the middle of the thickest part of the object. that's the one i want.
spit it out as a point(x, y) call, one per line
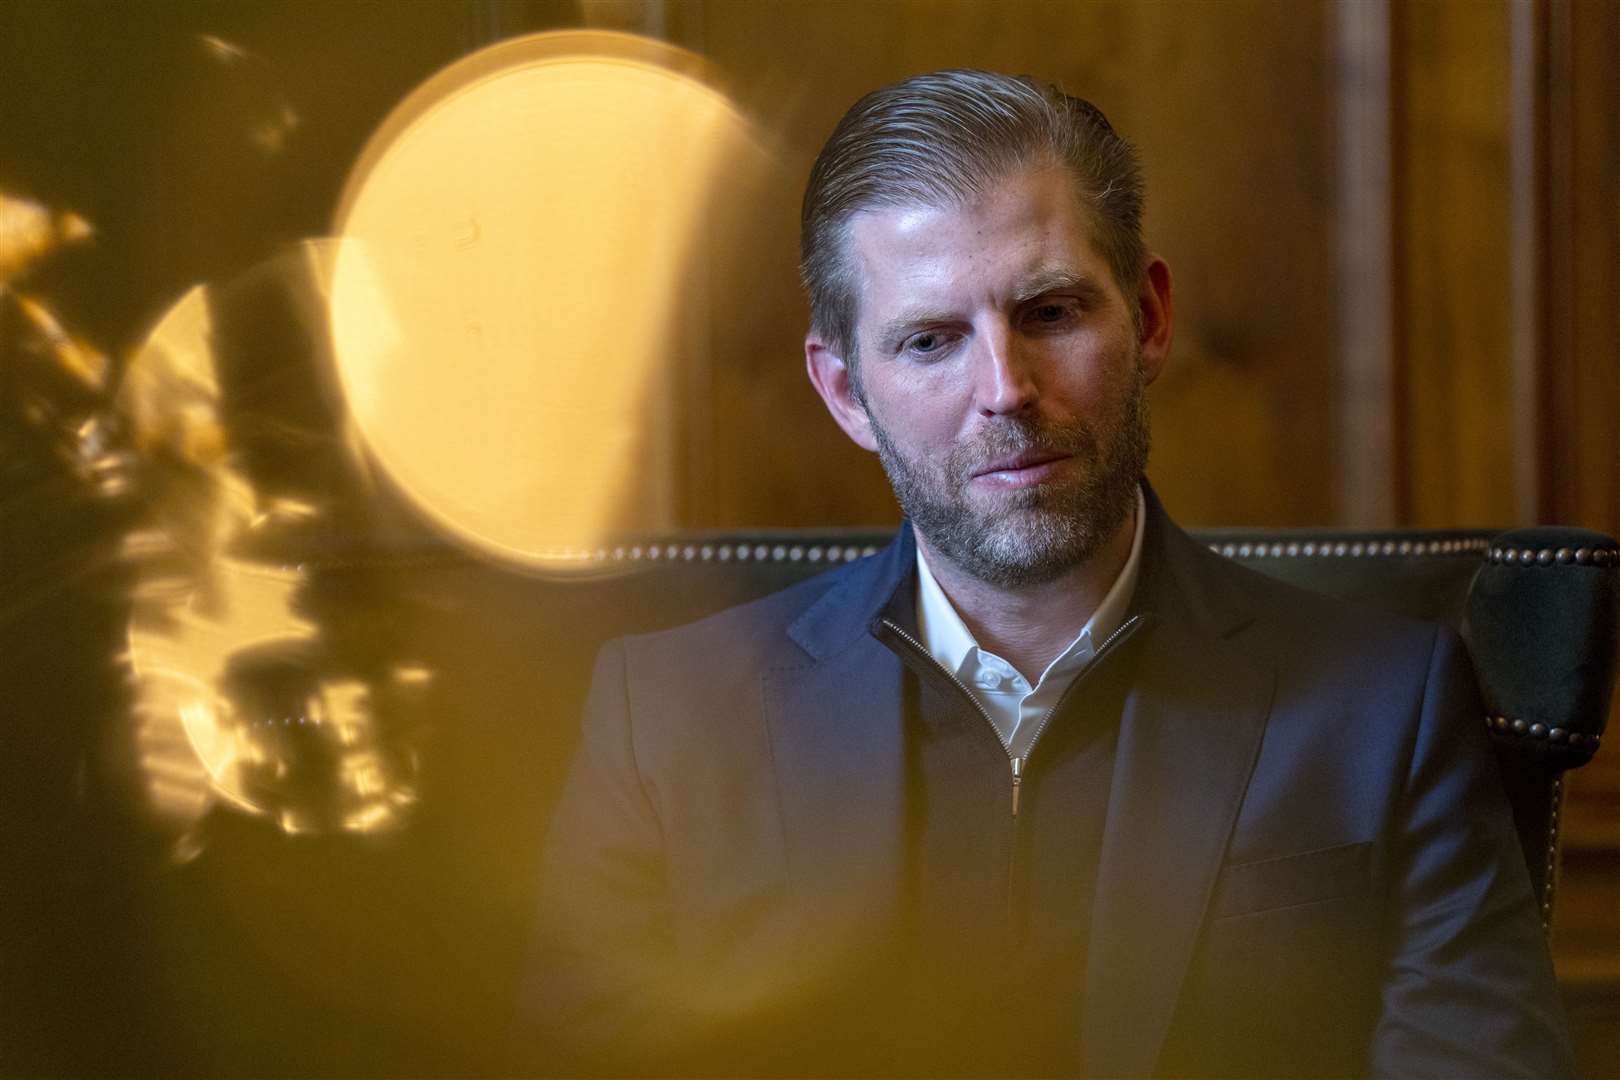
point(757, 634)
point(1303, 622)
point(1267, 611)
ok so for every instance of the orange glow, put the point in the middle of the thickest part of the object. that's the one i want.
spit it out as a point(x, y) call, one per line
point(74, 356)
point(517, 295)
point(283, 736)
point(29, 232)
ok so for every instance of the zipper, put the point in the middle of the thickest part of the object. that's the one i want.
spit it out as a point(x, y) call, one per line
point(1018, 780)
point(917, 647)
point(1046, 717)
point(1016, 762)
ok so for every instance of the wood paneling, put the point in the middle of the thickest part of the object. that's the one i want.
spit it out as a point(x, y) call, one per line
point(1453, 308)
point(1363, 107)
point(1579, 448)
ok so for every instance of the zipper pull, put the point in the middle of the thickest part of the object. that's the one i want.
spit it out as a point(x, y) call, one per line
point(1018, 780)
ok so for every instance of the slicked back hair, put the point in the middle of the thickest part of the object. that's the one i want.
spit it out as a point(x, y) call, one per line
point(944, 139)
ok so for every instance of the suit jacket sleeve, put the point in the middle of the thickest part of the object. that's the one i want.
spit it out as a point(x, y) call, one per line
point(600, 966)
point(1470, 989)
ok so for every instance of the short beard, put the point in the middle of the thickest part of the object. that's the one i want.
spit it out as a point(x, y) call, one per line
point(1038, 533)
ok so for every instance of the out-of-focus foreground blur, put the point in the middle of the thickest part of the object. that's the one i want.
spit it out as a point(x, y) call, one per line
point(333, 335)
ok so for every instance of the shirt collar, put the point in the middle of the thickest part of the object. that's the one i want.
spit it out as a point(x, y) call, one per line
point(950, 642)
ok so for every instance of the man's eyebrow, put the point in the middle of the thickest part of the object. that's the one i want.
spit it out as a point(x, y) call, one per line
point(907, 321)
point(1048, 281)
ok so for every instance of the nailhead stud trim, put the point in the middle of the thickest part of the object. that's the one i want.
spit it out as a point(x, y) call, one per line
point(1581, 556)
point(1351, 549)
point(1235, 549)
point(1550, 888)
point(1503, 725)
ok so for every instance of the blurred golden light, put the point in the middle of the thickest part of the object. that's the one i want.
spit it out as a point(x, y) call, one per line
point(180, 641)
point(271, 119)
point(29, 232)
point(170, 394)
point(75, 357)
point(517, 298)
point(235, 700)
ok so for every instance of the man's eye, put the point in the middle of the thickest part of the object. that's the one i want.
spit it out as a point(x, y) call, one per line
point(925, 343)
point(1051, 313)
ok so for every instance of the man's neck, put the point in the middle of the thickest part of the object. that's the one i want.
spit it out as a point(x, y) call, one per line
point(1028, 626)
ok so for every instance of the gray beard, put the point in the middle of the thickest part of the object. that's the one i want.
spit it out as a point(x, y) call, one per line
point(1036, 534)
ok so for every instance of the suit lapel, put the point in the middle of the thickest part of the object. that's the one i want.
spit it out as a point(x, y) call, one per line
point(836, 724)
point(1189, 737)
point(836, 739)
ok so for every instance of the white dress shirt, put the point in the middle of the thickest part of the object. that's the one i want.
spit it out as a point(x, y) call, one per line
point(1015, 707)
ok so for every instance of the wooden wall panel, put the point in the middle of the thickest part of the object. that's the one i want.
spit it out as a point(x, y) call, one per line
point(1453, 253)
point(1580, 434)
point(1582, 479)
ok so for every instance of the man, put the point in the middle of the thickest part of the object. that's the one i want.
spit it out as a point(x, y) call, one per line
point(1044, 787)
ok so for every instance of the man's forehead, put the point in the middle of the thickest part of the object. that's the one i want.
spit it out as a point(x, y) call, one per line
point(1028, 240)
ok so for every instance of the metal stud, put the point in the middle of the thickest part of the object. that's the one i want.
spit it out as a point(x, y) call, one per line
point(1538, 731)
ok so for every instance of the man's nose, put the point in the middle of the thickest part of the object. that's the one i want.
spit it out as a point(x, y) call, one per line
point(1003, 372)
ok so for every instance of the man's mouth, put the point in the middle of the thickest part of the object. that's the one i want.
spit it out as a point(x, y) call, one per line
point(1021, 470)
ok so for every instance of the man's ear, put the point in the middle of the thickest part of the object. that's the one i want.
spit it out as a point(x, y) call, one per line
point(1156, 303)
point(831, 377)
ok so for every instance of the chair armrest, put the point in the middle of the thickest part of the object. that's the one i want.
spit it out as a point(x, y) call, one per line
point(1542, 621)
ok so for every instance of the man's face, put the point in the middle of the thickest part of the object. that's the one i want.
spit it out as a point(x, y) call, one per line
point(1001, 376)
